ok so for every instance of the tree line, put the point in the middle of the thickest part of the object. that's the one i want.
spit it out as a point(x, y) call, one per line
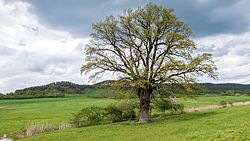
point(59, 89)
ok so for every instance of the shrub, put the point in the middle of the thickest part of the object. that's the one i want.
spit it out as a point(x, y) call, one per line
point(164, 105)
point(113, 113)
point(230, 103)
point(224, 104)
point(121, 111)
point(88, 116)
point(128, 110)
point(177, 108)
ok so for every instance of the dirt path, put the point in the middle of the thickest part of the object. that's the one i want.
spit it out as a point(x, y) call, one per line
point(191, 101)
point(210, 107)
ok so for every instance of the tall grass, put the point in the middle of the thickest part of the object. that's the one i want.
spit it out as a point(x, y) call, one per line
point(35, 128)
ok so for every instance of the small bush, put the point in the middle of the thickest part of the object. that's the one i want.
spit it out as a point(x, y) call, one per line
point(113, 113)
point(177, 108)
point(230, 103)
point(224, 104)
point(121, 111)
point(164, 105)
point(88, 116)
point(128, 110)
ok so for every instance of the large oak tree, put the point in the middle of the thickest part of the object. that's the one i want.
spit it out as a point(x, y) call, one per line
point(146, 47)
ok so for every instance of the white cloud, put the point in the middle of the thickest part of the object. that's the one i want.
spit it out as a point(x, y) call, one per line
point(231, 55)
point(34, 54)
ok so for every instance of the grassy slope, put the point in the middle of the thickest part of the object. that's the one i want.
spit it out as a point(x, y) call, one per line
point(224, 124)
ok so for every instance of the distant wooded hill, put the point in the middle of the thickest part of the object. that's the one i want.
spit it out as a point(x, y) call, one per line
point(59, 89)
point(226, 87)
point(53, 90)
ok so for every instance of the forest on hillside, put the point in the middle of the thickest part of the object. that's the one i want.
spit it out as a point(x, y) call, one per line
point(52, 90)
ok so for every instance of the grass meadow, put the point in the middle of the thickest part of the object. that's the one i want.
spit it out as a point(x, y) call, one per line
point(228, 124)
point(222, 124)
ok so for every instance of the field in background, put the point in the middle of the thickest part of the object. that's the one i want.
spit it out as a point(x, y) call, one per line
point(16, 114)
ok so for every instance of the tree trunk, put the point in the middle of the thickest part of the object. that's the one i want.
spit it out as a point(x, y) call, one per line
point(144, 96)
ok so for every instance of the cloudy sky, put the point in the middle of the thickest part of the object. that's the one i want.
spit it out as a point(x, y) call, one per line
point(42, 41)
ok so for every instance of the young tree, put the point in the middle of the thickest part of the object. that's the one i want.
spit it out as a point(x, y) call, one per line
point(146, 47)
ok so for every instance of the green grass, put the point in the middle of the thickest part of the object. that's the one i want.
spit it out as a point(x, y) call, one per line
point(16, 114)
point(222, 125)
